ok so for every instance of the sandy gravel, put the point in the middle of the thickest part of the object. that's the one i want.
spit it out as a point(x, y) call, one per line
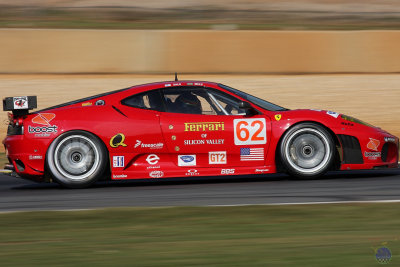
point(372, 98)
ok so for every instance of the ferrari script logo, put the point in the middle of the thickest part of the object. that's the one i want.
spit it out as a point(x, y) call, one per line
point(278, 117)
point(373, 144)
point(204, 126)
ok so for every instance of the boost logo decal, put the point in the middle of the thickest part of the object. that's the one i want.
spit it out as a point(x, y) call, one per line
point(43, 119)
point(373, 144)
point(117, 140)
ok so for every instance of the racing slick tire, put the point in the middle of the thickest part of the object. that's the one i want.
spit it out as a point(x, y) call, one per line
point(76, 159)
point(307, 150)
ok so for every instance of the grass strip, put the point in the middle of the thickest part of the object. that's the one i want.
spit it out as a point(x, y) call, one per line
point(301, 235)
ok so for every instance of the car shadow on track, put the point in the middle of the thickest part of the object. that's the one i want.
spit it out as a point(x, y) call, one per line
point(219, 179)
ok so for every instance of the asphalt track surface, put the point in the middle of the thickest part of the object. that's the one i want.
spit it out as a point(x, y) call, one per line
point(350, 186)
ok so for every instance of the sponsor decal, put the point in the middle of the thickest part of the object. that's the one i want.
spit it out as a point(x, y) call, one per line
point(171, 127)
point(250, 131)
point(118, 161)
point(228, 171)
point(20, 102)
point(173, 137)
point(278, 117)
point(35, 157)
point(186, 160)
point(151, 146)
point(42, 129)
point(333, 114)
point(204, 135)
point(177, 148)
point(192, 172)
point(347, 123)
point(44, 118)
point(261, 170)
point(119, 176)
point(203, 142)
point(372, 155)
point(204, 126)
point(250, 154)
point(152, 159)
point(156, 174)
point(118, 140)
point(390, 139)
point(217, 157)
point(373, 144)
point(153, 167)
point(87, 104)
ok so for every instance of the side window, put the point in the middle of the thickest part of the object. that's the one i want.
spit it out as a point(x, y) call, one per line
point(147, 100)
point(187, 101)
point(228, 104)
point(200, 101)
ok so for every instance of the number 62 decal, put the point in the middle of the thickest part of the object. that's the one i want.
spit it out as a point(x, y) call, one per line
point(250, 131)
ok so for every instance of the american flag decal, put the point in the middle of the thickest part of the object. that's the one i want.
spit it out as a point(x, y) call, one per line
point(248, 154)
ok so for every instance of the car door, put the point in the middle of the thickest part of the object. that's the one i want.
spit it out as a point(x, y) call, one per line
point(206, 128)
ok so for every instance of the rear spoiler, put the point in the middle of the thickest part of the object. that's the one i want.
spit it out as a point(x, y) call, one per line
point(19, 105)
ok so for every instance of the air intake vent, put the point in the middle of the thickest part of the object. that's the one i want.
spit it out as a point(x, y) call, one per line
point(351, 149)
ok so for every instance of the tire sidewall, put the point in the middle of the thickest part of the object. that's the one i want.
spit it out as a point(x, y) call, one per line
point(282, 151)
point(65, 181)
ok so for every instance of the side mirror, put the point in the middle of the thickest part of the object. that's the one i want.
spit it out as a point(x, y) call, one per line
point(247, 108)
point(244, 105)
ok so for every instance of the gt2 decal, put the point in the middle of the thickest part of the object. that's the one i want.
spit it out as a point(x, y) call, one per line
point(250, 131)
point(217, 157)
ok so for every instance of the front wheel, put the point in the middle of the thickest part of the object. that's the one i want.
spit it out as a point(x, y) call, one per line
point(307, 150)
point(76, 159)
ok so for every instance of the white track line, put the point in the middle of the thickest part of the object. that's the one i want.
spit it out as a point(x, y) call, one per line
point(310, 203)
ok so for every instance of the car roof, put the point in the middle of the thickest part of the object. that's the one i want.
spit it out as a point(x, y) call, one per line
point(135, 89)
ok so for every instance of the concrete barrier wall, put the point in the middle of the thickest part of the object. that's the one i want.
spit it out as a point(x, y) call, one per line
point(167, 51)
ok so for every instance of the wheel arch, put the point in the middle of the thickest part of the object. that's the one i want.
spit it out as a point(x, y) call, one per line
point(338, 155)
point(107, 171)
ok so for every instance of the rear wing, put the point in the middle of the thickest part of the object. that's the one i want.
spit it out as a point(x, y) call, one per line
point(19, 105)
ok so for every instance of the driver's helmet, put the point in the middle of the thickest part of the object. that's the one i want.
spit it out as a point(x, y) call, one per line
point(188, 103)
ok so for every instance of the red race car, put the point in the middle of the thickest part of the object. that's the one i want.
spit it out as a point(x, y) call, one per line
point(183, 129)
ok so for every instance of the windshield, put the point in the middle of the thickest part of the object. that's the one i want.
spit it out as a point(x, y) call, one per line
point(255, 100)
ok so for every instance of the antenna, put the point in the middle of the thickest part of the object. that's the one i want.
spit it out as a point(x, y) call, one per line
point(176, 77)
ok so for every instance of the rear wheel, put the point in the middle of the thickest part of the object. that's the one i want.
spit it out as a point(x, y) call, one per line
point(76, 159)
point(307, 150)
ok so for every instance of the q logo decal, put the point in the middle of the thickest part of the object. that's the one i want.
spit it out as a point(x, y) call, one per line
point(278, 117)
point(117, 140)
